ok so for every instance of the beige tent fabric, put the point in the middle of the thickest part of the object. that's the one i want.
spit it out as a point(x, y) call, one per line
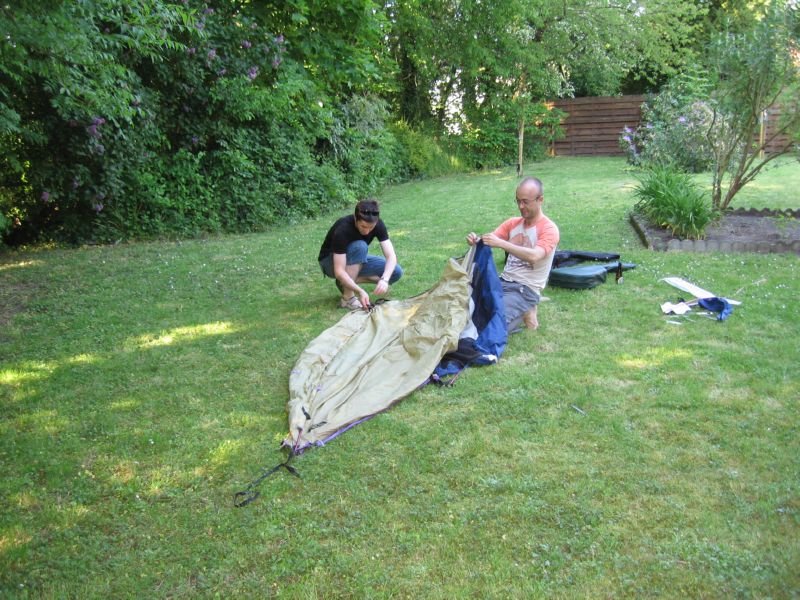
point(367, 361)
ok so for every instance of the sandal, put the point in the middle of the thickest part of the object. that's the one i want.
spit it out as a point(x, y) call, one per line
point(351, 303)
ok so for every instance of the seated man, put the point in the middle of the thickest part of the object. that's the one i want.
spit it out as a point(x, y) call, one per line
point(343, 255)
point(530, 241)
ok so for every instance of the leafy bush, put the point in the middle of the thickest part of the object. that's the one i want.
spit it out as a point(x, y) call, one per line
point(173, 119)
point(670, 199)
point(421, 155)
point(490, 138)
point(363, 147)
point(675, 126)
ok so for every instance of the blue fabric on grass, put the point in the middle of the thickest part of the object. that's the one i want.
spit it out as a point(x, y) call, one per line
point(717, 305)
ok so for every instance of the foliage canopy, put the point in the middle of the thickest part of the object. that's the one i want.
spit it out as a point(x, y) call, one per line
point(163, 117)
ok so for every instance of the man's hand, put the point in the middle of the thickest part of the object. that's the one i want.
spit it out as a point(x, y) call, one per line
point(492, 240)
point(473, 238)
point(381, 287)
point(363, 297)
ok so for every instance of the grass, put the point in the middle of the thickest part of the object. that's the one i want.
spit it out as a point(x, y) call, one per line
point(143, 384)
point(775, 187)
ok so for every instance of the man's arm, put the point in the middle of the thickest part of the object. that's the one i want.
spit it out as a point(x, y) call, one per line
point(530, 255)
point(547, 240)
point(495, 241)
point(340, 272)
point(391, 262)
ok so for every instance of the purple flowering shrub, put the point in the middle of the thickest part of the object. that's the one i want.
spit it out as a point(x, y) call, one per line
point(172, 119)
point(674, 129)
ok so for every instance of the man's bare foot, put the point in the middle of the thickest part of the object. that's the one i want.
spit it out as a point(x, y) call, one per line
point(530, 318)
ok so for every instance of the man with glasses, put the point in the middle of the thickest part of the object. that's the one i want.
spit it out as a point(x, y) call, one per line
point(530, 242)
point(343, 255)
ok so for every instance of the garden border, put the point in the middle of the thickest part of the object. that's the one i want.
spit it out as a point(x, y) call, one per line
point(653, 242)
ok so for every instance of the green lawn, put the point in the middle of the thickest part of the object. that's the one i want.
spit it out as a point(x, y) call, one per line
point(609, 454)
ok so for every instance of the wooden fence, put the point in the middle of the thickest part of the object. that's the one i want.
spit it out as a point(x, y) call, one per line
point(594, 125)
point(772, 117)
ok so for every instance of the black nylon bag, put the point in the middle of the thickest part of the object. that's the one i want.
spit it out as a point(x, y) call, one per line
point(581, 277)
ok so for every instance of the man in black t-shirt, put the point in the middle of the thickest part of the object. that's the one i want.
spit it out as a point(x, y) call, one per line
point(343, 255)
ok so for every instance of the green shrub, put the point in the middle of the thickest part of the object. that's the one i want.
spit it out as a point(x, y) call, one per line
point(670, 199)
point(422, 155)
point(363, 148)
point(490, 137)
point(123, 121)
point(5, 225)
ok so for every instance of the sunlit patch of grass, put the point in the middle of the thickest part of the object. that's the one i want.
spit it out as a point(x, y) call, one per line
point(223, 453)
point(20, 264)
point(654, 357)
point(26, 372)
point(181, 334)
point(16, 538)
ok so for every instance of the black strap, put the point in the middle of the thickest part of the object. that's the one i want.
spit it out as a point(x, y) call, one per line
point(249, 494)
point(448, 380)
point(376, 304)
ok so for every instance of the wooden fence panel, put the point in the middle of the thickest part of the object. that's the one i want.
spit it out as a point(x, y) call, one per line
point(770, 126)
point(594, 125)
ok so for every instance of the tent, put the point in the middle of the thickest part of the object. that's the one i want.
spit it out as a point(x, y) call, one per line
point(369, 360)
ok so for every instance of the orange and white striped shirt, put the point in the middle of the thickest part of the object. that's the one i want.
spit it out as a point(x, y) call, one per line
point(544, 234)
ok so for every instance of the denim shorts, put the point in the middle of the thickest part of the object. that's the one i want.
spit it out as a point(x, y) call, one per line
point(371, 266)
point(517, 300)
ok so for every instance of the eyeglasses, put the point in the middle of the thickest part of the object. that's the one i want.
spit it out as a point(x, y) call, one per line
point(528, 202)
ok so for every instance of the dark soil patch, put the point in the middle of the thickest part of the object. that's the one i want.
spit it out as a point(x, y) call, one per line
point(750, 230)
point(14, 299)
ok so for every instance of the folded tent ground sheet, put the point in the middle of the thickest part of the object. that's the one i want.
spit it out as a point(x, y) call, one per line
point(369, 360)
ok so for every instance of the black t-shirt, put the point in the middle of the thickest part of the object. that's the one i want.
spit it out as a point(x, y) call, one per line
point(344, 231)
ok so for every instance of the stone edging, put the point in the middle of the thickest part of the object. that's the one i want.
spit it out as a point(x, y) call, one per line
point(721, 246)
point(765, 212)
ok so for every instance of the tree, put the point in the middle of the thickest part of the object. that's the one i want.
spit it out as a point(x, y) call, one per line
point(753, 71)
point(498, 61)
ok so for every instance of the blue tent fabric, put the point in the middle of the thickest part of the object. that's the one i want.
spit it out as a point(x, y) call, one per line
point(489, 316)
point(717, 305)
point(484, 340)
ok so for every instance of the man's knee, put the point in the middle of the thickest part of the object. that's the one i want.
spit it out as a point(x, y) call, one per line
point(357, 252)
point(396, 274)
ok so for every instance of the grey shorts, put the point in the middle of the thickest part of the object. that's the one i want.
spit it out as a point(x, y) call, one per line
point(517, 300)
